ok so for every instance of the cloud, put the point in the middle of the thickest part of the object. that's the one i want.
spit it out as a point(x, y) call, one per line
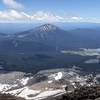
point(12, 15)
point(40, 16)
point(44, 16)
point(76, 18)
point(13, 4)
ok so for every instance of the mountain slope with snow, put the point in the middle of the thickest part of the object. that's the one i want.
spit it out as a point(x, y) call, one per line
point(45, 83)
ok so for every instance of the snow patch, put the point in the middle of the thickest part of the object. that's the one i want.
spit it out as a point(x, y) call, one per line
point(50, 81)
point(58, 76)
point(24, 81)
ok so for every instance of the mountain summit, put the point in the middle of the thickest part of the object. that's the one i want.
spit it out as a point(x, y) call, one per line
point(47, 28)
point(40, 31)
point(45, 31)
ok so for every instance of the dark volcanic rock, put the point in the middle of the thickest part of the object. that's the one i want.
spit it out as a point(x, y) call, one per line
point(82, 93)
point(9, 97)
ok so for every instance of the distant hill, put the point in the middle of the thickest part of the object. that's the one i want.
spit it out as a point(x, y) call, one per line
point(87, 32)
point(3, 36)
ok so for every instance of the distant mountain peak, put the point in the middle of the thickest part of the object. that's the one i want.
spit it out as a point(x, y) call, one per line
point(47, 28)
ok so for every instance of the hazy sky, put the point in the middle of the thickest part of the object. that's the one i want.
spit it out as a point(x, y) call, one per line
point(50, 11)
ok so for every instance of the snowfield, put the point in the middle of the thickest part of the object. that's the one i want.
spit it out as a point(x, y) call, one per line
point(46, 94)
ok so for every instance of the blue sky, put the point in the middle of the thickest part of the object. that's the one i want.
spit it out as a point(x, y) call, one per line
point(50, 10)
